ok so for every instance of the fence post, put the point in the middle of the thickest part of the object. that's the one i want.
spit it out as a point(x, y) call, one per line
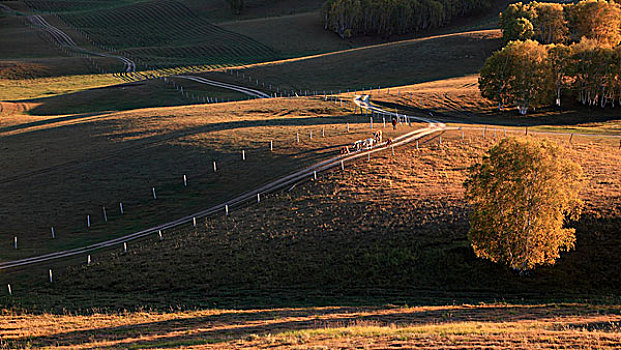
point(371, 122)
point(88, 221)
point(342, 166)
point(121, 207)
point(315, 174)
point(384, 121)
point(347, 127)
point(392, 149)
point(88, 260)
point(214, 166)
point(15, 242)
point(50, 274)
point(271, 146)
point(124, 247)
point(159, 233)
point(53, 233)
point(417, 145)
point(9, 288)
point(311, 135)
point(105, 215)
point(243, 155)
point(226, 209)
point(258, 198)
point(185, 181)
point(297, 136)
point(153, 191)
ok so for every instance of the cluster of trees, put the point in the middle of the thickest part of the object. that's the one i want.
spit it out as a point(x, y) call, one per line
point(350, 18)
point(521, 195)
point(528, 73)
point(237, 6)
point(554, 23)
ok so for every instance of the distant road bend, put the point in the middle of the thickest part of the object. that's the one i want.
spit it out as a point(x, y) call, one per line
point(243, 90)
point(362, 101)
point(65, 40)
point(129, 66)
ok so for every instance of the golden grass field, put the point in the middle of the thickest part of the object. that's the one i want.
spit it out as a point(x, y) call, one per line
point(372, 257)
point(464, 326)
point(60, 169)
point(278, 252)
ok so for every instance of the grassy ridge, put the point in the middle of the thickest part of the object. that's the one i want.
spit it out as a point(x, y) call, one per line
point(391, 64)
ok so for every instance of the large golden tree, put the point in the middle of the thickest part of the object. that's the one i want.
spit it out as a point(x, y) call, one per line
point(522, 194)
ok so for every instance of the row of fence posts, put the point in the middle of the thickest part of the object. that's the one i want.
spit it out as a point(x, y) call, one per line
point(185, 183)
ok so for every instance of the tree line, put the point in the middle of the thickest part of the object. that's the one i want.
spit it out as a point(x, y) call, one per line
point(531, 73)
point(351, 18)
point(554, 23)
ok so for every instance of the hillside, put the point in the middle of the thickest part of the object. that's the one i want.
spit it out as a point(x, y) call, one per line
point(410, 231)
point(174, 176)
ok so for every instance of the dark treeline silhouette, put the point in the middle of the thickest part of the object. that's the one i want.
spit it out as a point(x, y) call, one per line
point(351, 18)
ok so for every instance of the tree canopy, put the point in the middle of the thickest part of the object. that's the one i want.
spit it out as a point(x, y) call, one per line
point(562, 23)
point(521, 195)
point(387, 17)
point(527, 74)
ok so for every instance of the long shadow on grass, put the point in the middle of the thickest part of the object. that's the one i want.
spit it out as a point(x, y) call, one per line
point(140, 144)
point(573, 115)
point(232, 326)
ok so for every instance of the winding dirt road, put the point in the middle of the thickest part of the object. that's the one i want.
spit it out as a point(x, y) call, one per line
point(64, 40)
point(361, 101)
point(243, 90)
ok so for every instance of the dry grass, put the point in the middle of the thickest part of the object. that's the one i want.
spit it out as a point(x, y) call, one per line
point(381, 225)
point(457, 326)
point(59, 169)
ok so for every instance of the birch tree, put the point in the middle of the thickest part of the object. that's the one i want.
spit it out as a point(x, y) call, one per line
point(522, 194)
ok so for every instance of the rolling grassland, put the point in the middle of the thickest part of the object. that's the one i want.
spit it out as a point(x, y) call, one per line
point(369, 241)
point(61, 169)
point(395, 222)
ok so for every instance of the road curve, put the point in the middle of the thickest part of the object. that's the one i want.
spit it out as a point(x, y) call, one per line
point(361, 101)
point(243, 90)
point(129, 66)
point(63, 39)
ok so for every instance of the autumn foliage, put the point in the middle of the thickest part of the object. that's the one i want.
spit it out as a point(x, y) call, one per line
point(555, 50)
point(521, 195)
